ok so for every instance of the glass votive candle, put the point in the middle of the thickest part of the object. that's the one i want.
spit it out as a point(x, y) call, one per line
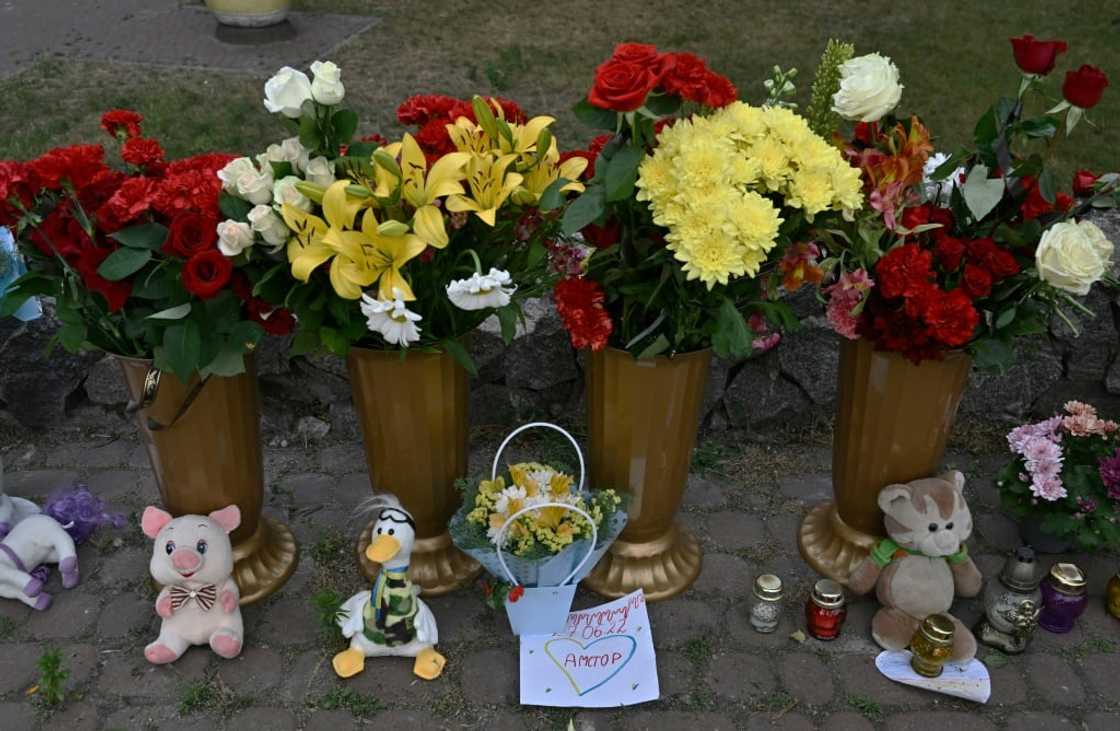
point(931, 645)
point(825, 610)
point(1064, 597)
point(766, 607)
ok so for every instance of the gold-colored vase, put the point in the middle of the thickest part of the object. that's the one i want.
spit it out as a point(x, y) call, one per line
point(893, 422)
point(642, 422)
point(413, 412)
point(204, 442)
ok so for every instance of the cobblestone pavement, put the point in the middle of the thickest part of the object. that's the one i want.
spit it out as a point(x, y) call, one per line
point(715, 672)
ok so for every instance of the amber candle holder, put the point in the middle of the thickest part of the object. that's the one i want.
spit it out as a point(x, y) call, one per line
point(931, 646)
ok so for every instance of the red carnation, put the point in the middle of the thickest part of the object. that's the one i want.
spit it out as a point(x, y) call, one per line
point(208, 162)
point(621, 86)
point(60, 234)
point(944, 217)
point(142, 152)
point(1000, 262)
point(417, 110)
point(687, 78)
point(951, 318)
point(206, 273)
point(115, 293)
point(720, 92)
point(1034, 56)
point(515, 593)
point(77, 163)
point(15, 183)
point(904, 271)
point(190, 234)
point(1083, 182)
point(1083, 88)
point(121, 121)
point(130, 201)
point(916, 216)
point(433, 138)
point(190, 190)
point(977, 281)
point(579, 303)
point(950, 251)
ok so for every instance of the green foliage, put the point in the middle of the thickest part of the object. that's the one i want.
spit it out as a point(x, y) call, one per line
point(331, 547)
point(328, 610)
point(7, 627)
point(52, 676)
point(213, 696)
point(698, 650)
point(869, 707)
point(821, 118)
point(360, 704)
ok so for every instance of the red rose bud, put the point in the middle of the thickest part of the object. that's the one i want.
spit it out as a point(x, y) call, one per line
point(206, 273)
point(1083, 88)
point(1034, 56)
point(621, 86)
point(1083, 182)
point(977, 281)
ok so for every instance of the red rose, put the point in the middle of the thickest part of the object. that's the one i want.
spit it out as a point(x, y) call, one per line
point(977, 281)
point(687, 78)
point(1083, 182)
point(115, 293)
point(605, 236)
point(60, 234)
point(142, 152)
point(1034, 56)
point(1084, 87)
point(621, 86)
point(950, 251)
point(579, 302)
point(1000, 262)
point(206, 273)
point(130, 201)
point(274, 320)
point(721, 91)
point(951, 318)
point(118, 121)
point(904, 271)
point(190, 234)
point(943, 216)
point(1034, 205)
point(636, 53)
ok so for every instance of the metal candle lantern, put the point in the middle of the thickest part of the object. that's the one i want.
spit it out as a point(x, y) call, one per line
point(932, 645)
point(1012, 604)
point(1064, 598)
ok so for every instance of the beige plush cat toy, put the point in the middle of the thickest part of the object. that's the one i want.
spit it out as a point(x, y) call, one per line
point(921, 566)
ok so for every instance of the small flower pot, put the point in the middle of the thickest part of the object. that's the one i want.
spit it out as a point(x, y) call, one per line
point(249, 13)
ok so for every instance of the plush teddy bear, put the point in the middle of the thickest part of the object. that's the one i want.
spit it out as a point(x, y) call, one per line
point(199, 603)
point(921, 566)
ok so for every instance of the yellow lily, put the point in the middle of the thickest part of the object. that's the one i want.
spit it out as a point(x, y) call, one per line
point(469, 137)
point(310, 246)
point(386, 182)
point(525, 137)
point(539, 177)
point(386, 253)
point(422, 188)
point(490, 186)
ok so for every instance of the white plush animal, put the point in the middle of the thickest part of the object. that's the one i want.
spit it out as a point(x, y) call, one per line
point(35, 540)
point(13, 509)
point(390, 620)
point(199, 603)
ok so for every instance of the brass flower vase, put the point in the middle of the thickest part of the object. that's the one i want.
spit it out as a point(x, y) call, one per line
point(204, 442)
point(413, 413)
point(642, 421)
point(894, 419)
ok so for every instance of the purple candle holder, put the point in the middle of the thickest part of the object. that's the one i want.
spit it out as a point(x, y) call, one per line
point(1064, 598)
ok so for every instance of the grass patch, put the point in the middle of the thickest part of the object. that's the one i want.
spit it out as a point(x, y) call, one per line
point(331, 547)
point(698, 650)
point(869, 707)
point(1093, 646)
point(7, 627)
point(996, 659)
point(213, 696)
point(360, 704)
point(709, 455)
point(776, 702)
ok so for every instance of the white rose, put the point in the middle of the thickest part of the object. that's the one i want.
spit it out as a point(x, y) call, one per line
point(327, 87)
point(869, 88)
point(255, 185)
point(234, 237)
point(285, 191)
point(269, 225)
point(1073, 256)
point(289, 151)
point(320, 172)
point(233, 170)
point(286, 92)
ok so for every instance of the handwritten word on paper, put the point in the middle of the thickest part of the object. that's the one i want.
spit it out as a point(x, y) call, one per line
point(603, 658)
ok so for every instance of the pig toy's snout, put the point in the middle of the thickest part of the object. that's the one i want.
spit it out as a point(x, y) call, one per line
point(186, 561)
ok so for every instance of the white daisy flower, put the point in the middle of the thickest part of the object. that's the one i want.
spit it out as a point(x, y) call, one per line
point(395, 322)
point(510, 500)
point(480, 292)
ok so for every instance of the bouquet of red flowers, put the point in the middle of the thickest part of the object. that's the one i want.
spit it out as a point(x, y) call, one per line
point(968, 250)
point(131, 257)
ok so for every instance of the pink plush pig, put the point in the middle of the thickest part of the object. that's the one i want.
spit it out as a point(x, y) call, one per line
point(199, 603)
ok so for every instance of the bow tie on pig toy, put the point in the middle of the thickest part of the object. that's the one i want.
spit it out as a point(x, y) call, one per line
point(193, 561)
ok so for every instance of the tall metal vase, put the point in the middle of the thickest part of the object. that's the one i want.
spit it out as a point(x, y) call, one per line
point(413, 412)
point(642, 421)
point(893, 422)
point(204, 442)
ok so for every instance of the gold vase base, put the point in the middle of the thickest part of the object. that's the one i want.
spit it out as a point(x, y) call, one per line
point(437, 566)
point(661, 568)
point(830, 546)
point(265, 561)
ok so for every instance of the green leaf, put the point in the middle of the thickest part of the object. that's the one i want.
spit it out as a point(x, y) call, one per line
point(182, 345)
point(1039, 127)
point(544, 144)
point(246, 335)
point(1048, 186)
point(230, 361)
point(305, 341)
point(584, 210)
point(657, 347)
point(731, 338)
point(172, 313)
point(992, 355)
point(1005, 318)
point(281, 169)
point(553, 197)
point(981, 194)
point(507, 318)
point(485, 116)
point(124, 262)
point(334, 341)
point(144, 236)
point(945, 169)
point(456, 350)
point(361, 150)
point(662, 105)
point(235, 208)
point(345, 124)
point(309, 135)
point(595, 117)
point(622, 171)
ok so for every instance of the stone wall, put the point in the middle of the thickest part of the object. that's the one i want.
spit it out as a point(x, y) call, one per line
point(539, 375)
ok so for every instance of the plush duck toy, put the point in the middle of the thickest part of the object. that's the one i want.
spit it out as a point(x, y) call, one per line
point(390, 619)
